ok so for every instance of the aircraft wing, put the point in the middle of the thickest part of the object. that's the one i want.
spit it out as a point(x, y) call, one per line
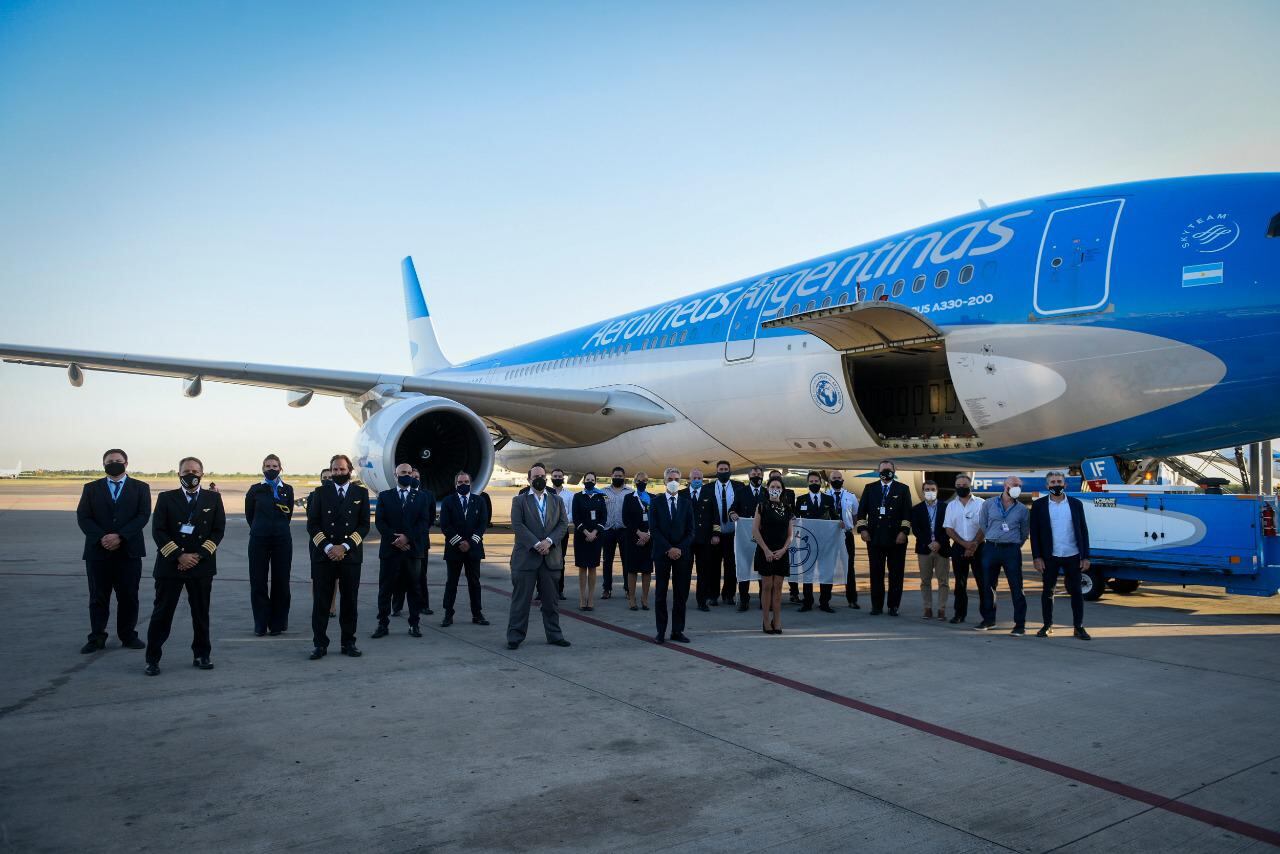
point(545, 417)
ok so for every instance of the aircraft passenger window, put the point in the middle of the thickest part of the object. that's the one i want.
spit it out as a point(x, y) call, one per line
point(918, 285)
point(826, 303)
point(684, 335)
point(898, 287)
point(966, 274)
point(844, 298)
point(862, 294)
point(811, 306)
point(795, 309)
point(663, 342)
point(878, 292)
point(627, 349)
point(940, 280)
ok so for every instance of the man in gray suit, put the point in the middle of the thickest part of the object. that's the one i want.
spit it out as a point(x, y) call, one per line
point(539, 523)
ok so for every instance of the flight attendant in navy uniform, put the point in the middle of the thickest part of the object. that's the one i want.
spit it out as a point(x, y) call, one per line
point(187, 527)
point(815, 504)
point(635, 519)
point(884, 520)
point(113, 513)
point(337, 522)
point(590, 513)
point(464, 517)
point(268, 507)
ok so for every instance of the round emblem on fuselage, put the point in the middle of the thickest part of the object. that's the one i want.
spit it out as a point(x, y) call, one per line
point(826, 393)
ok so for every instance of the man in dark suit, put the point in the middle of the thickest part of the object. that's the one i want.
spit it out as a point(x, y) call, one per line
point(815, 504)
point(701, 498)
point(538, 522)
point(424, 594)
point(748, 498)
point(187, 527)
point(464, 517)
point(933, 549)
point(1060, 544)
point(883, 523)
point(403, 520)
point(721, 562)
point(671, 524)
point(268, 507)
point(337, 522)
point(112, 513)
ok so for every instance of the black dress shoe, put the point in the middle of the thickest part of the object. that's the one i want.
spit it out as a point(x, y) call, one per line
point(415, 632)
point(703, 607)
point(660, 639)
point(152, 670)
point(893, 612)
point(480, 621)
point(94, 646)
point(318, 653)
point(512, 645)
point(260, 634)
point(713, 602)
point(351, 650)
point(680, 637)
point(805, 607)
point(743, 606)
point(956, 620)
point(855, 606)
point(1081, 634)
point(380, 632)
point(395, 613)
point(446, 622)
point(875, 612)
point(203, 663)
point(560, 642)
point(428, 611)
point(827, 608)
point(135, 643)
point(275, 633)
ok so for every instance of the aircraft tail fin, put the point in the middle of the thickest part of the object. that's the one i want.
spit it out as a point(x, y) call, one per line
point(424, 349)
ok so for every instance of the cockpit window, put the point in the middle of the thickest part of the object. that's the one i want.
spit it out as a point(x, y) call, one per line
point(1273, 230)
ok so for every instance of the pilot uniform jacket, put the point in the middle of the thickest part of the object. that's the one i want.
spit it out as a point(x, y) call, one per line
point(345, 523)
point(413, 518)
point(920, 527)
point(209, 521)
point(457, 525)
point(816, 506)
point(1042, 528)
point(127, 516)
point(704, 511)
point(669, 532)
point(884, 529)
point(266, 512)
point(746, 501)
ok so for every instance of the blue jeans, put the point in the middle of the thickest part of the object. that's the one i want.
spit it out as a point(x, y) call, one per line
point(1006, 556)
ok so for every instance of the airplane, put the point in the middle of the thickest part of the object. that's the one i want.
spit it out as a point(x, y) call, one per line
point(1125, 320)
point(14, 473)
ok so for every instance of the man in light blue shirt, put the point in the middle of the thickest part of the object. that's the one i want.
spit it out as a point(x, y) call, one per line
point(1005, 524)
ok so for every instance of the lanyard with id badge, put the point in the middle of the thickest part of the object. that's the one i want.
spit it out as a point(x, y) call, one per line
point(188, 527)
point(1004, 514)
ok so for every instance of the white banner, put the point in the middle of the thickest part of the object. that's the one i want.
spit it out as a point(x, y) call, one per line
point(818, 554)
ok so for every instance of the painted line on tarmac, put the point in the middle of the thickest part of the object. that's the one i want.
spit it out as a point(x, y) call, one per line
point(1214, 819)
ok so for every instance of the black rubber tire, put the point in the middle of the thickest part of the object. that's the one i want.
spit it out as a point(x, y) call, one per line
point(1092, 584)
point(1123, 585)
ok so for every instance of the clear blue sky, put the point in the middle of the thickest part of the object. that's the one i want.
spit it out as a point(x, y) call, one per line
point(240, 180)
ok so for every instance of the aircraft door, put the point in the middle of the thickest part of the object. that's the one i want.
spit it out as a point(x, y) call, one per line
point(1073, 270)
point(744, 325)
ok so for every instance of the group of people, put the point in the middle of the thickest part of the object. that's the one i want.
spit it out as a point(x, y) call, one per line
point(660, 536)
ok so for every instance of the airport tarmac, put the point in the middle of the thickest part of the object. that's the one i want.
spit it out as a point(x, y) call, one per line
point(848, 732)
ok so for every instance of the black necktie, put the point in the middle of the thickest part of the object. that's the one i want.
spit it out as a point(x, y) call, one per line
point(404, 495)
point(672, 502)
point(724, 503)
point(342, 493)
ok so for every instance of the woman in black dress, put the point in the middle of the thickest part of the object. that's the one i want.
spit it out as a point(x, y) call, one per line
point(635, 519)
point(772, 529)
point(589, 515)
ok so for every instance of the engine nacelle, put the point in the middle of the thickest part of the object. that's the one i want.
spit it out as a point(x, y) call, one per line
point(438, 436)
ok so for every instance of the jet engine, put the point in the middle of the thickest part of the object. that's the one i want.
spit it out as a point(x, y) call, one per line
point(437, 436)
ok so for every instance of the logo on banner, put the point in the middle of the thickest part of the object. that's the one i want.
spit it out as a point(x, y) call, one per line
point(825, 392)
point(804, 552)
point(1211, 233)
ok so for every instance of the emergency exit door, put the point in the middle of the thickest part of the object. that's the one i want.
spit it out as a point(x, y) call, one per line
point(1073, 270)
point(744, 325)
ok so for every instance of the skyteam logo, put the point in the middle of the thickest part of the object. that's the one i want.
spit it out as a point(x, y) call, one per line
point(1211, 233)
point(804, 555)
point(825, 392)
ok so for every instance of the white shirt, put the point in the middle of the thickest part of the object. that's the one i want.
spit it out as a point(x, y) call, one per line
point(963, 518)
point(848, 506)
point(115, 487)
point(724, 504)
point(566, 498)
point(1064, 533)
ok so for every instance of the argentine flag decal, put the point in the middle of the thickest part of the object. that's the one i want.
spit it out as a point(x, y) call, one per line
point(1202, 274)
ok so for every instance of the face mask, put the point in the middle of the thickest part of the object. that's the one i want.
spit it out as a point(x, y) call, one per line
point(557, 482)
point(405, 480)
point(190, 481)
point(722, 476)
point(931, 496)
point(837, 484)
point(463, 488)
point(415, 482)
point(1055, 490)
point(618, 481)
point(673, 486)
point(589, 486)
point(695, 484)
point(271, 474)
point(962, 491)
point(642, 485)
point(814, 487)
point(774, 492)
point(1015, 491)
point(114, 469)
point(540, 483)
point(756, 481)
point(886, 475)
point(340, 479)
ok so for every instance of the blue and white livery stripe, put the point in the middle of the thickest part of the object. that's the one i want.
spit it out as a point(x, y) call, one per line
point(1195, 275)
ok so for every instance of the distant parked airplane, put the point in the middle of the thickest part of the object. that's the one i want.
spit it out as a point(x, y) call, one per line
point(13, 472)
